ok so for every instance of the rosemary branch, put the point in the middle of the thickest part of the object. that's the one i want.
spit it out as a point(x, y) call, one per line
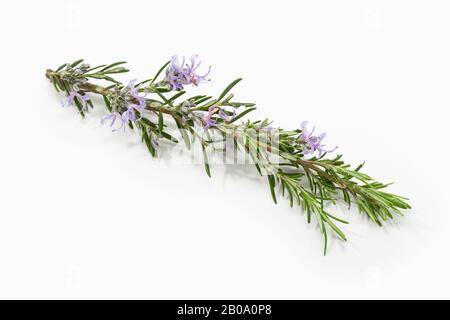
point(290, 164)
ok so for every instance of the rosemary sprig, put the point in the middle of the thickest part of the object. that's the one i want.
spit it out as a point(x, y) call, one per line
point(286, 157)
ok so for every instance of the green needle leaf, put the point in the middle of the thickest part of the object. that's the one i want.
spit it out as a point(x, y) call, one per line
point(272, 187)
point(148, 142)
point(159, 72)
point(240, 115)
point(76, 63)
point(112, 65)
point(227, 89)
point(61, 67)
point(107, 103)
point(205, 161)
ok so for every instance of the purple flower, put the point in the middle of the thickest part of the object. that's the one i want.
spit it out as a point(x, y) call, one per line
point(312, 143)
point(226, 117)
point(208, 120)
point(135, 94)
point(70, 100)
point(180, 74)
point(194, 77)
point(129, 114)
point(113, 116)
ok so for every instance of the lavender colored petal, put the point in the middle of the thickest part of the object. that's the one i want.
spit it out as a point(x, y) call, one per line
point(84, 97)
point(70, 99)
point(322, 136)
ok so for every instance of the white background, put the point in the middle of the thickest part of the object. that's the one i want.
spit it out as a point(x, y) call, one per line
point(86, 213)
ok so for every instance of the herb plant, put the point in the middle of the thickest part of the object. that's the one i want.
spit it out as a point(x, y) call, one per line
point(296, 163)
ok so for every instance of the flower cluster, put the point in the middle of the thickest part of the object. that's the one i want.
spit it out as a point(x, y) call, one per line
point(75, 75)
point(180, 74)
point(125, 103)
point(311, 142)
